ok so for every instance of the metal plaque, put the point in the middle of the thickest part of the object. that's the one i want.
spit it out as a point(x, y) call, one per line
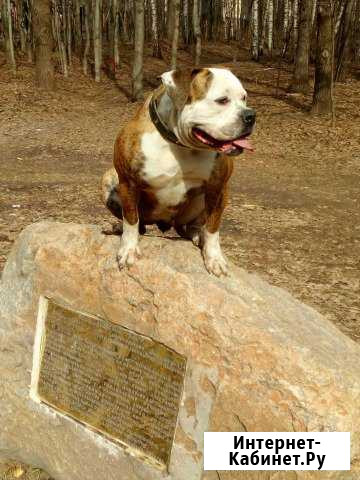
point(116, 381)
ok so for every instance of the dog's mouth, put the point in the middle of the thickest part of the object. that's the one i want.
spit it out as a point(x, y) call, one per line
point(228, 147)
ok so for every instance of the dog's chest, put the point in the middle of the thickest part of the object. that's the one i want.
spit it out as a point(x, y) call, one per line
point(172, 171)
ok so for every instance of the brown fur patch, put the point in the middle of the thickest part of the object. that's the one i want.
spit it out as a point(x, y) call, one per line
point(191, 84)
point(129, 160)
point(216, 192)
point(200, 84)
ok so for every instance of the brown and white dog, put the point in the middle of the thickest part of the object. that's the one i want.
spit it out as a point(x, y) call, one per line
point(173, 161)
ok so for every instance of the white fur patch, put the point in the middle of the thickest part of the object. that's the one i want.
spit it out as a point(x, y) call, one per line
point(214, 259)
point(225, 80)
point(222, 122)
point(171, 171)
point(129, 248)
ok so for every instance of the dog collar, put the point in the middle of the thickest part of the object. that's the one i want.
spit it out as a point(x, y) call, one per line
point(164, 131)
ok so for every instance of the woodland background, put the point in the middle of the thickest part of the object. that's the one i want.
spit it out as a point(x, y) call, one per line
point(326, 32)
point(73, 72)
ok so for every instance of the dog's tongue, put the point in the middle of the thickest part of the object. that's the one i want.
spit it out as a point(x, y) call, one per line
point(243, 143)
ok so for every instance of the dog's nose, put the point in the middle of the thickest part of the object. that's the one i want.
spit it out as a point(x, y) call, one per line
point(249, 116)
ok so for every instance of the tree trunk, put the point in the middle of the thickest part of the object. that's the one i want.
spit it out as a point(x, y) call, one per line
point(255, 31)
point(197, 30)
point(270, 26)
point(110, 26)
point(87, 38)
point(356, 45)
point(22, 23)
point(296, 23)
point(238, 19)
point(69, 32)
point(313, 14)
point(155, 30)
point(263, 30)
point(116, 33)
point(286, 19)
point(29, 47)
point(323, 98)
point(124, 29)
point(339, 18)
point(286, 27)
point(28, 25)
point(78, 28)
point(8, 31)
point(186, 21)
point(170, 20)
point(300, 80)
point(175, 38)
point(98, 40)
point(137, 74)
point(44, 68)
point(61, 46)
point(342, 50)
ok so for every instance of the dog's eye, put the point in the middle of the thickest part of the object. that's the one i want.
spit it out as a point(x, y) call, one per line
point(222, 100)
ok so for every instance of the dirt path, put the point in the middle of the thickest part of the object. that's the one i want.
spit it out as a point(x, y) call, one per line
point(294, 215)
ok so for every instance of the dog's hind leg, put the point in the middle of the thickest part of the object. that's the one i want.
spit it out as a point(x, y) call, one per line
point(190, 223)
point(110, 196)
point(191, 231)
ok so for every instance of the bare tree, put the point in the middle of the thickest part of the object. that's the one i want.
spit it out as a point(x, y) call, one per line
point(175, 38)
point(61, 45)
point(88, 28)
point(68, 21)
point(170, 19)
point(98, 39)
point(44, 68)
point(270, 26)
point(300, 80)
point(339, 17)
point(27, 22)
point(78, 25)
point(343, 41)
point(295, 28)
point(313, 14)
point(137, 74)
point(238, 18)
point(323, 95)
point(263, 30)
point(186, 20)
point(255, 30)
point(197, 30)
point(155, 30)
point(285, 21)
point(22, 27)
point(87, 37)
point(8, 32)
point(116, 33)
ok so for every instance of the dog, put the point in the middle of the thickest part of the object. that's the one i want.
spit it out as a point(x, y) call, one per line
point(173, 161)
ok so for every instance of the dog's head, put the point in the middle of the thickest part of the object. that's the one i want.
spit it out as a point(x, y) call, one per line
point(210, 110)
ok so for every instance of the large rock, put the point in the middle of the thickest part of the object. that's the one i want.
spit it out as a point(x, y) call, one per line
point(258, 360)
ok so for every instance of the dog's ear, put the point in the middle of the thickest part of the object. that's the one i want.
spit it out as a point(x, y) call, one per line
point(186, 85)
point(177, 86)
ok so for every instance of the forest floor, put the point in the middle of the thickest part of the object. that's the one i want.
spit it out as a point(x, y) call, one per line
point(294, 214)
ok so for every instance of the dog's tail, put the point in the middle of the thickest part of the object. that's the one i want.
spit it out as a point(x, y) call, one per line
point(109, 193)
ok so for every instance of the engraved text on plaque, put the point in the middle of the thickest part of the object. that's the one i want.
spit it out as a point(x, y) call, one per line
point(119, 382)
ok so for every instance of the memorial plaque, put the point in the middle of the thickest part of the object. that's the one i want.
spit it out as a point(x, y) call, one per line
point(120, 383)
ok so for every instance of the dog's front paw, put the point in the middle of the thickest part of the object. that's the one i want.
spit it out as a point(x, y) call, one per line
point(215, 263)
point(127, 255)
